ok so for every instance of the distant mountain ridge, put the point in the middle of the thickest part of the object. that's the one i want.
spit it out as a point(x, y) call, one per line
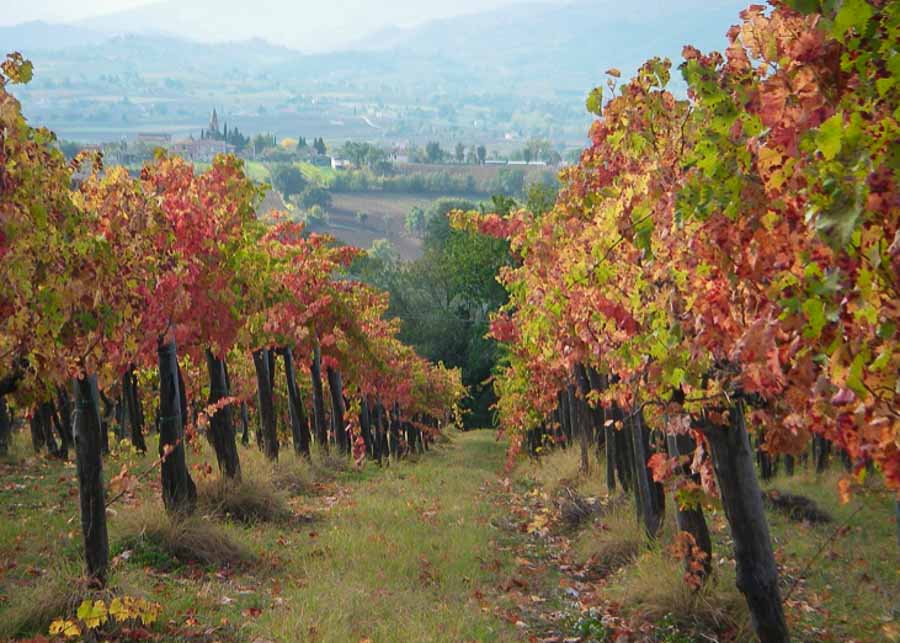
point(572, 42)
point(578, 38)
point(46, 36)
point(328, 26)
point(501, 75)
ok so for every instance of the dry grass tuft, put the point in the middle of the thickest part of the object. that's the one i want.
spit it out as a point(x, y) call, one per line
point(561, 468)
point(796, 507)
point(574, 509)
point(248, 501)
point(161, 541)
point(293, 482)
point(614, 540)
point(655, 589)
point(30, 611)
point(328, 465)
point(294, 477)
point(442, 439)
point(291, 474)
point(614, 554)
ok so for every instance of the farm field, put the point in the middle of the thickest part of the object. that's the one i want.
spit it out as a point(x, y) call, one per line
point(482, 173)
point(485, 175)
point(386, 214)
point(386, 219)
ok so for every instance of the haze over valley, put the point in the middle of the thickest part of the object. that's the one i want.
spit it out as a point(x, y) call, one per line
point(488, 76)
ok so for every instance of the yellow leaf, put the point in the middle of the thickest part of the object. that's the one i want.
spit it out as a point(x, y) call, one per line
point(119, 611)
point(147, 611)
point(68, 629)
point(539, 522)
point(769, 160)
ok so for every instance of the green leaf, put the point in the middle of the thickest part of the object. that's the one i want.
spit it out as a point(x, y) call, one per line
point(886, 330)
point(93, 614)
point(595, 101)
point(853, 14)
point(676, 379)
point(814, 310)
point(18, 69)
point(805, 7)
point(829, 136)
point(839, 222)
point(691, 497)
point(884, 85)
point(26, 72)
point(883, 359)
point(855, 376)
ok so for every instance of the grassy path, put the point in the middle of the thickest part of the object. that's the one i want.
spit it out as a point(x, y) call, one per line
point(404, 555)
point(439, 549)
point(401, 553)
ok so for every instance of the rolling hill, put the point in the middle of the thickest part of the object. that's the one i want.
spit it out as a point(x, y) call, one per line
point(519, 71)
point(570, 44)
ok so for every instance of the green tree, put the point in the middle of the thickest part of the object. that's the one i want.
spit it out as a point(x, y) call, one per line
point(433, 152)
point(354, 152)
point(288, 179)
point(540, 198)
point(316, 214)
point(510, 182)
point(383, 252)
point(262, 142)
point(314, 195)
point(444, 298)
point(234, 137)
point(415, 221)
point(460, 152)
point(363, 154)
point(481, 154)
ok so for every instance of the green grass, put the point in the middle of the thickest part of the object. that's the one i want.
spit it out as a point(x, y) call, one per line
point(402, 562)
point(257, 171)
point(839, 580)
point(391, 554)
point(850, 583)
point(419, 551)
point(318, 175)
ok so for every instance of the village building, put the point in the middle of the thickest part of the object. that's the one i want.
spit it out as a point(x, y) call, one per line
point(202, 151)
point(320, 160)
point(154, 138)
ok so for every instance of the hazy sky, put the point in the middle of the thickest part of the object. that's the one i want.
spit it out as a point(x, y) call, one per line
point(309, 25)
point(306, 25)
point(16, 11)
